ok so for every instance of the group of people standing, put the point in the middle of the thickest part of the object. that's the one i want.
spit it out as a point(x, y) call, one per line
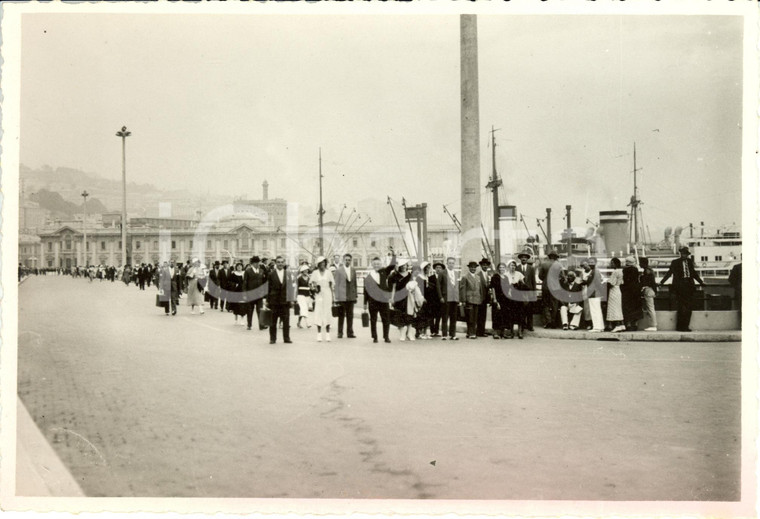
point(424, 300)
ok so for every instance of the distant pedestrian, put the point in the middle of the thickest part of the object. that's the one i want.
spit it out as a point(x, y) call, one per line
point(168, 288)
point(448, 294)
point(571, 306)
point(377, 293)
point(304, 297)
point(735, 280)
point(614, 297)
point(472, 294)
point(213, 286)
point(529, 292)
point(631, 295)
point(345, 295)
point(514, 315)
point(549, 273)
point(235, 300)
point(648, 292)
point(432, 299)
point(255, 288)
point(684, 273)
point(593, 292)
point(195, 277)
point(427, 284)
point(322, 285)
point(280, 299)
point(484, 272)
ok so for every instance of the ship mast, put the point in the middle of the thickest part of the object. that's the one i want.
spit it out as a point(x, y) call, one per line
point(493, 185)
point(635, 203)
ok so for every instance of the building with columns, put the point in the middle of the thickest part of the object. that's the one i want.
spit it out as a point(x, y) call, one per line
point(152, 240)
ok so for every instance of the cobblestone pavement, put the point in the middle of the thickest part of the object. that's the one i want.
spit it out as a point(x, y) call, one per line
point(139, 404)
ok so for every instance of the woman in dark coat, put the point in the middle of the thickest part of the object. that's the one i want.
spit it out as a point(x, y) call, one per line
point(168, 288)
point(398, 281)
point(631, 293)
point(499, 288)
point(235, 299)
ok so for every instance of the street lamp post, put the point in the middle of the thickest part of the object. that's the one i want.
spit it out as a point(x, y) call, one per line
point(85, 194)
point(123, 133)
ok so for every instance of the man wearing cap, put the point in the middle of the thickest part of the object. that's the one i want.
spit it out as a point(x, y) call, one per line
point(345, 296)
point(377, 293)
point(472, 293)
point(254, 290)
point(684, 274)
point(448, 293)
point(280, 298)
point(485, 279)
point(529, 274)
point(549, 274)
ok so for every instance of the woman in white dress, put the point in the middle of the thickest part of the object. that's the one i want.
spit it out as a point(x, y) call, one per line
point(195, 274)
point(614, 297)
point(323, 285)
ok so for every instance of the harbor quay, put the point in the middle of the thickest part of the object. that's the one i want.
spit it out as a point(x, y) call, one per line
point(135, 403)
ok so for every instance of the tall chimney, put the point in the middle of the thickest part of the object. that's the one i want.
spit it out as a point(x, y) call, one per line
point(266, 190)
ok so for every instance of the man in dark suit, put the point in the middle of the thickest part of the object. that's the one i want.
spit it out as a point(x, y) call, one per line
point(529, 273)
point(684, 274)
point(280, 298)
point(472, 293)
point(141, 276)
point(254, 290)
point(484, 273)
point(345, 296)
point(222, 277)
point(377, 293)
point(213, 286)
point(448, 292)
point(549, 274)
point(735, 280)
point(436, 308)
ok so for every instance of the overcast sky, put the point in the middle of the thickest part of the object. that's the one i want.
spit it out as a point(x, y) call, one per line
point(222, 102)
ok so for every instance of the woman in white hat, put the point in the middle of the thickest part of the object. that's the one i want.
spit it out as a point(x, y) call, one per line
point(196, 275)
point(304, 297)
point(323, 285)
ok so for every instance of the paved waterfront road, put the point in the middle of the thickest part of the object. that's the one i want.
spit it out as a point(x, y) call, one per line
point(138, 404)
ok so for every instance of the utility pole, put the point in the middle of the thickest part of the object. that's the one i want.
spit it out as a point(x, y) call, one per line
point(85, 194)
point(123, 133)
point(548, 228)
point(493, 185)
point(321, 210)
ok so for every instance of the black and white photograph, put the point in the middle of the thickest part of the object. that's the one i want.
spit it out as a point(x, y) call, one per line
point(450, 258)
